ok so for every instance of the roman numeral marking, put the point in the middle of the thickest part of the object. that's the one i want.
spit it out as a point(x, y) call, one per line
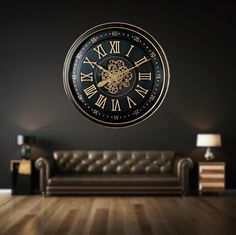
point(130, 49)
point(115, 47)
point(130, 102)
point(141, 61)
point(115, 105)
point(101, 101)
point(100, 51)
point(87, 61)
point(90, 91)
point(141, 91)
point(86, 77)
point(145, 76)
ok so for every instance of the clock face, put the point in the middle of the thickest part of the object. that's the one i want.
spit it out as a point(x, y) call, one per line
point(116, 74)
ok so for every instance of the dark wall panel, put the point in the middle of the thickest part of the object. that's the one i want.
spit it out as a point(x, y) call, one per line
point(199, 40)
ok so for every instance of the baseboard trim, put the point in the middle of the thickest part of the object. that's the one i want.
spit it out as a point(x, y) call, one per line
point(226, 192)
point(5, 191)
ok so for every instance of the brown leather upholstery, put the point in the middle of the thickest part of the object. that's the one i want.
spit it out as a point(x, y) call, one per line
point(113, 171)
point(112, 162)
point(106, 180)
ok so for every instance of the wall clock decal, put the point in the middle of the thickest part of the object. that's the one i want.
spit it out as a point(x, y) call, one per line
point(116, 74)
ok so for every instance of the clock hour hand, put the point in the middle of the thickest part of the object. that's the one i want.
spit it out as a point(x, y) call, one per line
point(103, 82)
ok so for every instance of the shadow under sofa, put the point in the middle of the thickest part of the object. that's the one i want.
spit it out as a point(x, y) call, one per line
point(113, 172)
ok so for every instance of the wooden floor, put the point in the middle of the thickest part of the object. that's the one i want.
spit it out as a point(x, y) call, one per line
point(31, 215)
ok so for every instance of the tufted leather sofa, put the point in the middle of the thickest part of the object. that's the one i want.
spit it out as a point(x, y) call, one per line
point(113, 172)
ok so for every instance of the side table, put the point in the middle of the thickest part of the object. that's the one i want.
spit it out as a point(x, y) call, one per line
point(211, 177)
point(21, 177)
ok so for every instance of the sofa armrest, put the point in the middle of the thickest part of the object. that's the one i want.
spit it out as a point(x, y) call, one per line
point(45, 170)
point(181, 170)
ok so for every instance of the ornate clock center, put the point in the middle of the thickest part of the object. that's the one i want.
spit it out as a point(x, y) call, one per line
point(117, 76)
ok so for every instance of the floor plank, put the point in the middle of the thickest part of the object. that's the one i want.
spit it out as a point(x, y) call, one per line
point(116, 215)
point(65, 226)
point(121, 215)
point(143, 222)
point(99, 225)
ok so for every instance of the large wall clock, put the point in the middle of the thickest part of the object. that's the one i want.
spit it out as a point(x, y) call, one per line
point(116, 74)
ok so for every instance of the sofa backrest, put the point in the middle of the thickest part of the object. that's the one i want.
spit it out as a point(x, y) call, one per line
point(113, 162)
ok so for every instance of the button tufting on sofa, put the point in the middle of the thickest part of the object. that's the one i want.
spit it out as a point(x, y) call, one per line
point(119, 171)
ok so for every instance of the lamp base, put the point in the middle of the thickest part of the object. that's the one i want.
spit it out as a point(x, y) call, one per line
point(209, 156)
point(25, 152)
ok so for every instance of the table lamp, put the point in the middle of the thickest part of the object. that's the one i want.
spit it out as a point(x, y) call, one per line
point(25, 142)
point(209, 140)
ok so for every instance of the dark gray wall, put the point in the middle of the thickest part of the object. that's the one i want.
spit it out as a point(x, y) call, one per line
point(199, 40)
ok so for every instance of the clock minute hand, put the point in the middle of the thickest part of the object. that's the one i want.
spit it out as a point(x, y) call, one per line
point(136, 66)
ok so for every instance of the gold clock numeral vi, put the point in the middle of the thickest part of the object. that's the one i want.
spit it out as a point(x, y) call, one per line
point(141, 61)
point(130, 102)
point(141, 91)
point(115, 105)
point(86, 77)
point(115, 47)
point(87, 61)
point(101, 101)
point(90, 91)
point(145, 76)
point(130, 49)
point(100, 51)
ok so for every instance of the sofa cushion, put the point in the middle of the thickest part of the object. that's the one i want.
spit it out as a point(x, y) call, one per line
point(113, 180)
point(114, 162)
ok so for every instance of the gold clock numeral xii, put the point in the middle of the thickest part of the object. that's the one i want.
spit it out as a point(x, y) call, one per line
point(115, 47)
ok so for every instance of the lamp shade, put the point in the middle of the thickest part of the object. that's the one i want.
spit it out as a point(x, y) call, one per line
point(208, 140)
point(22, 139)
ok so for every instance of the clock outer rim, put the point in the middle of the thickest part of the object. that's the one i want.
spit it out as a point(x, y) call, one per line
point(127, 26)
